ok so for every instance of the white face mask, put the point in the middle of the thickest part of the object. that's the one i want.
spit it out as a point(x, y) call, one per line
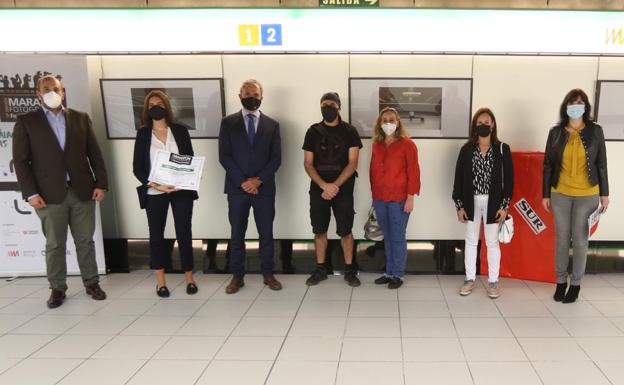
point(389, 128)
point(52, 100)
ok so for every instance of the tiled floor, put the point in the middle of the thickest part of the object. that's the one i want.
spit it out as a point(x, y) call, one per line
point(424, 333)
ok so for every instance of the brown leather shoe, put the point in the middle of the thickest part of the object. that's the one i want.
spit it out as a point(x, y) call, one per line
point(56, 299)
point(272, 282)
point(235, 284)
point(96, 292)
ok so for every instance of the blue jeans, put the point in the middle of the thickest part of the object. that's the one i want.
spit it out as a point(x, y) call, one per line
point(393, 222)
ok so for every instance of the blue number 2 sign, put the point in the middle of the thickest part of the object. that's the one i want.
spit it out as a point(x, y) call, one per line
point(271, 34)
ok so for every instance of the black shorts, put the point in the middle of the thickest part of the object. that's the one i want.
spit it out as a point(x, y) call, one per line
point(341, 205)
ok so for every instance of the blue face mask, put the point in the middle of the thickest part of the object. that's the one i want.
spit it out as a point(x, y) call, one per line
point(575, 111)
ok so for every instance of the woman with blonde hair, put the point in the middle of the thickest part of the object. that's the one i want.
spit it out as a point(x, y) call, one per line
point(395, 179)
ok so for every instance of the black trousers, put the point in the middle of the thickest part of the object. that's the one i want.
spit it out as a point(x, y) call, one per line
point(156, 208)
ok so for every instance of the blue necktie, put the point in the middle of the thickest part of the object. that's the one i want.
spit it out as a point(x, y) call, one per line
point(251, 128)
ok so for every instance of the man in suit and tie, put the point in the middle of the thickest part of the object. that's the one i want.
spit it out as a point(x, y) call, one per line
point(250, 152)
point(61, 173)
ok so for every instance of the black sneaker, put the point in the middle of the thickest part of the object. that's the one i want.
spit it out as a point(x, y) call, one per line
point(395, 283)
point(351, 277)
point(319, 274)
point(382, 280)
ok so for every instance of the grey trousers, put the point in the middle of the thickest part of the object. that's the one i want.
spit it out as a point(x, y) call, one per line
point(80, 217)
point(571, 215)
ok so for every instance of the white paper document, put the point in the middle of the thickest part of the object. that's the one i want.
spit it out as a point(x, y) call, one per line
point(594, 218)
point(181, 171)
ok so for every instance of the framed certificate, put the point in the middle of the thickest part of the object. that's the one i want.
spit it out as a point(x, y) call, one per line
point(181, 171)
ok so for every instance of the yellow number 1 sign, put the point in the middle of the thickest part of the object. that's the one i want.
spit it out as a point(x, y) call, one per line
point(248, 34)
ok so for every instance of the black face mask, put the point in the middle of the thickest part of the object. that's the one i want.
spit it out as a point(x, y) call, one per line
point(156, 113)
point(330, 113)
point(483, 130)
point(250, 103)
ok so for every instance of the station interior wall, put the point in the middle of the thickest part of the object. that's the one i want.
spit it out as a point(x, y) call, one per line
point(524, 92)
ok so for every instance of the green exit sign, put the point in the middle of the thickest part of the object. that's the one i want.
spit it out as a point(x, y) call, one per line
point(349, 3)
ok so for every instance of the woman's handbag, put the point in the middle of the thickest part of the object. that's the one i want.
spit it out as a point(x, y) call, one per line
point(506, 229)
point(372, 229)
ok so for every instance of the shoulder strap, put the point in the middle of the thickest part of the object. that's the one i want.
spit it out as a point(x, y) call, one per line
point(321, 129)
point(502, 166)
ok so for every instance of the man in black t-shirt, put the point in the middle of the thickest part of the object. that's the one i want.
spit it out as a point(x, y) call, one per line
point(331, 150)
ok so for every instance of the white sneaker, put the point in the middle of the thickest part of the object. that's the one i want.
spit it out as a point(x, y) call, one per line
point(492, 290)
point(467, 287)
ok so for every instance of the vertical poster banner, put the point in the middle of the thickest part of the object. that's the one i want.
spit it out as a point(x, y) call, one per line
point(22, 244)
point(531, 253)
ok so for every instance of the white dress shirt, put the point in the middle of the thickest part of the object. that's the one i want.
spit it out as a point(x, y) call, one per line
point(169, 145)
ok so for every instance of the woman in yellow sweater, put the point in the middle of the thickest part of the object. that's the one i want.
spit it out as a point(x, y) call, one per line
point(575, 183)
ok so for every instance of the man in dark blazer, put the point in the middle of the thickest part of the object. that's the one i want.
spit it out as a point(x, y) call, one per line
point(61, 173)
point(250, 151)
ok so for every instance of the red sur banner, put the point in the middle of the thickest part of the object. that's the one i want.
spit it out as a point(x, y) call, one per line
point(531, 253)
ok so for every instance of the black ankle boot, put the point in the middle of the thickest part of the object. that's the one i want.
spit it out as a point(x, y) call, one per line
point(560, 292)
point(572, 294)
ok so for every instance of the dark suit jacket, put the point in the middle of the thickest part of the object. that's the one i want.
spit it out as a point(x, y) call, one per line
point(141, 164)
point(242, 160)
point(42, 166)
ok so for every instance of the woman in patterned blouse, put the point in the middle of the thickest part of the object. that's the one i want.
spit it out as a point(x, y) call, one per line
point(482, 192)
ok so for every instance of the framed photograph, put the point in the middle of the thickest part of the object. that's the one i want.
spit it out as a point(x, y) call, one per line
point(429, 108)
point(196, 103)
point(609, 111)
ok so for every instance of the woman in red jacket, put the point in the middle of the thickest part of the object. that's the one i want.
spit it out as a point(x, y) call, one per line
point(395, 179)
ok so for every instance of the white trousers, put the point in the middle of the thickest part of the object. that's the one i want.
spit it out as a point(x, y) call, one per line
point(473, 230)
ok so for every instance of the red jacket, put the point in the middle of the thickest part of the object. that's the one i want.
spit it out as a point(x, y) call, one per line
point(394, 170)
